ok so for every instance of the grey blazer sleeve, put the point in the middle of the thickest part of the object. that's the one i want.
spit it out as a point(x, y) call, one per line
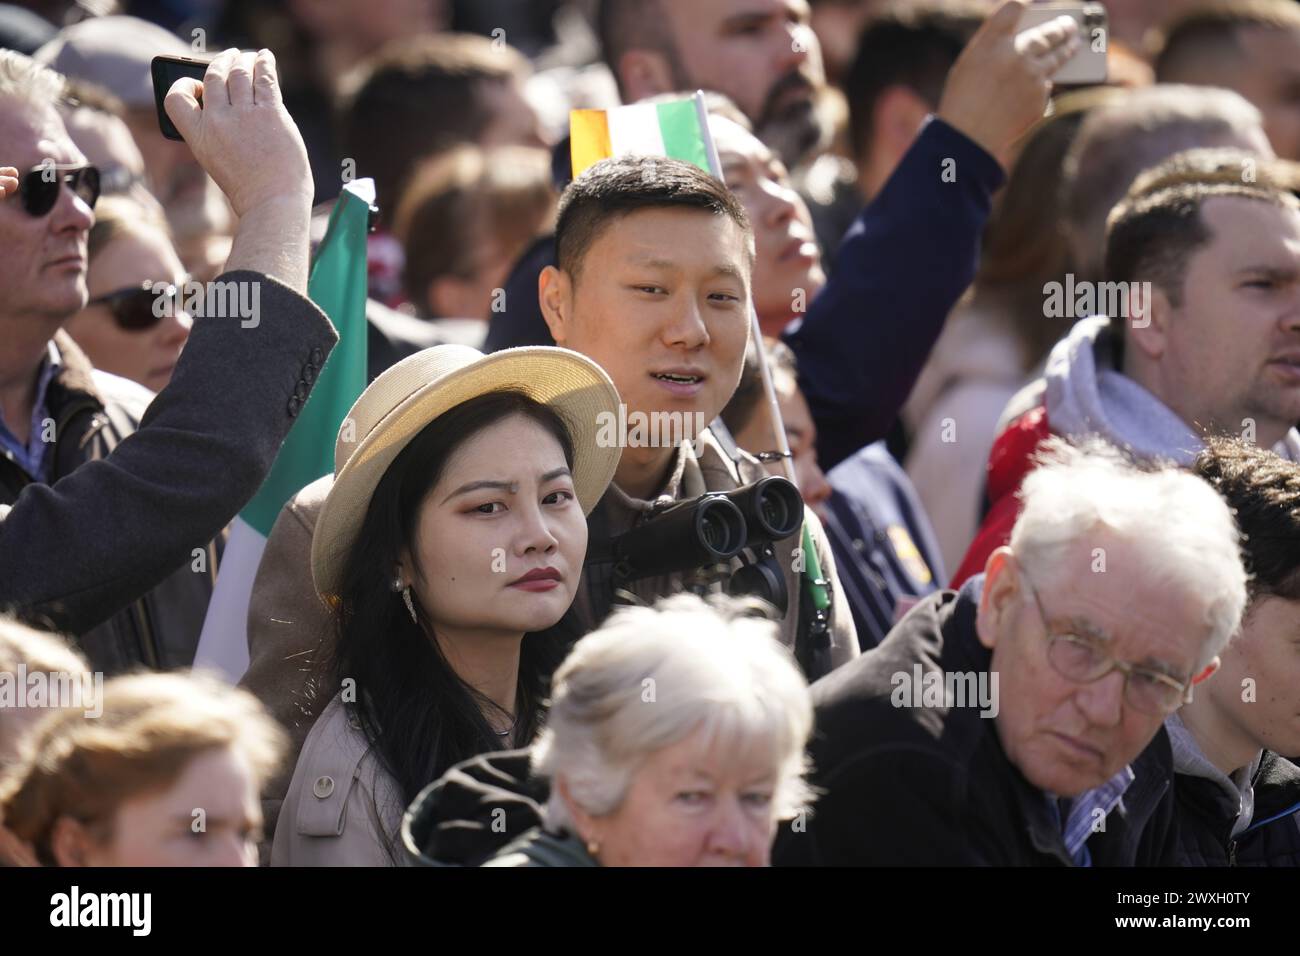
point(74, 553)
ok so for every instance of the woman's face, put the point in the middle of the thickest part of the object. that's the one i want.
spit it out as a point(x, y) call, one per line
point(503, 509)
point(210, 816)
point(788, 266)
point(147, 355)
point(690, 804)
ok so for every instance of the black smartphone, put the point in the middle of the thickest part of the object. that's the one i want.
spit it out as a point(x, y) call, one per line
point(167, 70)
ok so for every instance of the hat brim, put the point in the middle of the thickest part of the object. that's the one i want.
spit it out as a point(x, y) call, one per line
point(577, 389)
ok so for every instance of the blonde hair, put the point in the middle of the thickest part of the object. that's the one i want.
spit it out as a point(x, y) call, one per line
point(653, 676)
point(152, 726)
point(36, 652)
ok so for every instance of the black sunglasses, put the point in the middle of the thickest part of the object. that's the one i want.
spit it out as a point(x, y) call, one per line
point(39, 187)
point(136, 309)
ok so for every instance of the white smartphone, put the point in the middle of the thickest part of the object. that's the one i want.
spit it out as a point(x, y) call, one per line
point(1088, 65)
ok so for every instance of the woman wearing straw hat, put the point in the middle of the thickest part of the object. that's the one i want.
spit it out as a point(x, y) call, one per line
point(448, 550)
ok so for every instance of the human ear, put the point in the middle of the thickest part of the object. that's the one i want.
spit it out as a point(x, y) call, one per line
point(998, 599)
point(70, 842)
point(555, 296)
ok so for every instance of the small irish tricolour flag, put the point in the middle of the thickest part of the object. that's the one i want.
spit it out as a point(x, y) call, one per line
point(338, 285)
point(678, 129)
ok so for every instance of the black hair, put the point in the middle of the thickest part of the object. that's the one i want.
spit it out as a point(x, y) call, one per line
point(613, 188)
point(419, 714)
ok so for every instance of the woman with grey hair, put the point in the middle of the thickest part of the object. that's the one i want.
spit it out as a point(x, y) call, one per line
point(675, 737)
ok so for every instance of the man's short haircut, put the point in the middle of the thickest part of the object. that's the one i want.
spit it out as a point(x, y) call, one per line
point(1211, 30)
point(1184, 532)
point(416, 98)
point(1151, 235)
point(913, 45)
point(24, 79)
point(1263, 490)
point(623, 25)
point(1121, 139)
point(613, 188)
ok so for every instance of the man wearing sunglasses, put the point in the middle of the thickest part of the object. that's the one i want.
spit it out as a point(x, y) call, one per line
point(109, 539)
point(1117, 592)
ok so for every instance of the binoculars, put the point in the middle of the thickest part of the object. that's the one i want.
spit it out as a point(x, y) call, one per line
point(708, 530)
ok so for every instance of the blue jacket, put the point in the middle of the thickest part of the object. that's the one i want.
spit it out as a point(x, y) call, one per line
point(882, 541)
point(903, 264)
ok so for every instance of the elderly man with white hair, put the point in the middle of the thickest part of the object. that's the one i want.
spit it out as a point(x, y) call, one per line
point(1018, 721)
point(675, 737)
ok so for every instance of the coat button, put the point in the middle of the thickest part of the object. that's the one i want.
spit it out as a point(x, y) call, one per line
point(301, 390)
point(294, 405)
point(323, 787)
point(316, 356)
point(309, 373)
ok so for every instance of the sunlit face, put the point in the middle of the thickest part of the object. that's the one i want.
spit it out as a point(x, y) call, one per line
point(761, 53)
point(1066, 737)
point(690, 804)
point(43, 266)
point(210, 816)
point(1233, 346)
point(1264, 658)
point(504, 507)
point(147, 356)
point(787, 267)
point(661, 302)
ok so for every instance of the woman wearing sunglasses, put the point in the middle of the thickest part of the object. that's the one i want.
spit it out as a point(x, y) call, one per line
point(132, 325)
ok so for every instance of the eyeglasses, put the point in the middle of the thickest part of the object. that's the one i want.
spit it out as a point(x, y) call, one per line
point(39, 187)
point(1082, 660)
point(136, 309)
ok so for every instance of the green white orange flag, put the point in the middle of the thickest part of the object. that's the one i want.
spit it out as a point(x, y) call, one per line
point(677, 129)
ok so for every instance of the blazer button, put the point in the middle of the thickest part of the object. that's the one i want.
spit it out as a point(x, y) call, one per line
point(316, 356)
point(323, 787)
point(294, 405)
point(301, 390)
point(309, 373)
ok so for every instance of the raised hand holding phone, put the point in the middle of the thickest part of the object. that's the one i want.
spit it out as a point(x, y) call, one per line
point(243, 137)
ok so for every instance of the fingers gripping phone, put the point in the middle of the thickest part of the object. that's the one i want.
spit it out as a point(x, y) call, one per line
point(1088, 65)
point(166, 71)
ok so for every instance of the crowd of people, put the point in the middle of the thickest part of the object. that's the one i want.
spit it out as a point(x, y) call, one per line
point(977, 541)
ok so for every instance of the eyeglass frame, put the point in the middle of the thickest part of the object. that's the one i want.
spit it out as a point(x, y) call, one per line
point(64, 173)
point(1114, 663)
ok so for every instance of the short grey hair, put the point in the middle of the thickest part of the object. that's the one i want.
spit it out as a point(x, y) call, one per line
point(1076, 490)
point(23, 78)
point(1120, 139)
point(651, 677)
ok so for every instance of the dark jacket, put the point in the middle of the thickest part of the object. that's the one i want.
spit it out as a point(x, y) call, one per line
point(917, 786)
point(473, 811)
point(540, 847)
point(106, 551)
point(1207, 813)
point(884, 546)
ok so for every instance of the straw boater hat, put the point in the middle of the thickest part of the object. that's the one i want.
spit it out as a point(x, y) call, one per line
point(415, 391)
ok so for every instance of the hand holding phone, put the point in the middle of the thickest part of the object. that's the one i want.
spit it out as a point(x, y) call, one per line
point(1000, 83)
point(166, 70)
point(1088, 64)
point(239, 132)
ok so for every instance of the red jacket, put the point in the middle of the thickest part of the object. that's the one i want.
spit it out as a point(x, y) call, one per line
point(1009, 461)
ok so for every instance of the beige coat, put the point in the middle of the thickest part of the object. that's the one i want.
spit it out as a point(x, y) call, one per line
point(289, 627)
point(341, 806)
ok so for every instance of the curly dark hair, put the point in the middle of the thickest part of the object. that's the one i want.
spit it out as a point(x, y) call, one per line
point(1263, 489)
